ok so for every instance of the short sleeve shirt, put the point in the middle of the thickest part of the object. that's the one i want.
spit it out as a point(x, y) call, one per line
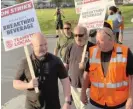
point(62, 44)
point(48, 72)
point(117, 19)
point(73, 57)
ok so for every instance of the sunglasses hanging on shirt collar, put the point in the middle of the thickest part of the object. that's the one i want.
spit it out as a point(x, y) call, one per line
point(41, 58)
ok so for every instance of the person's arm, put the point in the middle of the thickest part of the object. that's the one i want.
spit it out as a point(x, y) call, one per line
point(63, 76)
point(21, 85)
point(62, 13)
point(67, 56)
point(56, 50)
point(131, 86)
point(18, 82)
point(119, 20)
point(129, 69)
point(129, 103)
point(85, 84)
point(67, 93)
point(66, 88)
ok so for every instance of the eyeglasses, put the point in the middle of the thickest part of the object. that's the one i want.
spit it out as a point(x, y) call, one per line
point(78, 35)
point(67, 28)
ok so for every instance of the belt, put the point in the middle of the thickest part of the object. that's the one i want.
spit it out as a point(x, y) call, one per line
point(105, 106)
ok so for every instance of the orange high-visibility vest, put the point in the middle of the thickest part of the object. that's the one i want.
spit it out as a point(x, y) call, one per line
point(111, 89)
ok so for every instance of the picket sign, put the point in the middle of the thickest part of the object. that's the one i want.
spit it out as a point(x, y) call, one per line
point(19, 23)
point(30, 65)
point(92, 22)
point(84, 52)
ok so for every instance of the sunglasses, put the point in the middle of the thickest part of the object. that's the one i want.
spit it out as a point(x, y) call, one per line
point(66, 28)
point(108, 34)
point(78, 35)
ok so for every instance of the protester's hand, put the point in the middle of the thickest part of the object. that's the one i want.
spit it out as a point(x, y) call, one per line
point(129, 103)
point(66, 106)
point(33, 83)
point(81, 65)
point(84, 98)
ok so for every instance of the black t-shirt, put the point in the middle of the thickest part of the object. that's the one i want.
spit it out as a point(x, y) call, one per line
point(48, 71)
point(105, 58)
point(73, 57)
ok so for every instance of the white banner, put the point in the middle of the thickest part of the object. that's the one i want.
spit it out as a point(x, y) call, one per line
point(93, 14)
point(18, 23)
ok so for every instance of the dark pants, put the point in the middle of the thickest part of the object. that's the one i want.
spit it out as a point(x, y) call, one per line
point(117, 37)
point(59, 24)
point(41, 104)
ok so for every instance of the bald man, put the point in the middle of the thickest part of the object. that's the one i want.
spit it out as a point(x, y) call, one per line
point(48, 68)
point(110, 72)
point(72, 61)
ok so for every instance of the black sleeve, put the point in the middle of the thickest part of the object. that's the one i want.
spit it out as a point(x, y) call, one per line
point(20, 75)
point(129, 68)
point(90, 44)
point(62, 73)
point(87, 66)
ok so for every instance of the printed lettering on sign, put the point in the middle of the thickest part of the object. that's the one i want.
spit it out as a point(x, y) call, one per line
point(93, 14)
point(17, 26)
point(9, 44)
point(16, 9)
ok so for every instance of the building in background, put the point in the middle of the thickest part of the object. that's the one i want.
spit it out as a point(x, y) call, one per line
point(40, 4)
point(7, 3)
point(124, 2)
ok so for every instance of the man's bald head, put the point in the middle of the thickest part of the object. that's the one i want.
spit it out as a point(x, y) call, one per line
point(36, 37)
point(80, 34)
point(106, 33)
point(39, 44)
point(81, 29)
point(105, 39)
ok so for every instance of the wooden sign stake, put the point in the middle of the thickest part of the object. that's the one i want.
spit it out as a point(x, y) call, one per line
point(30, 65)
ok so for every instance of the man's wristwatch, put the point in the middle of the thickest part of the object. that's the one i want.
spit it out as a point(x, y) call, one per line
point(68, 102)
